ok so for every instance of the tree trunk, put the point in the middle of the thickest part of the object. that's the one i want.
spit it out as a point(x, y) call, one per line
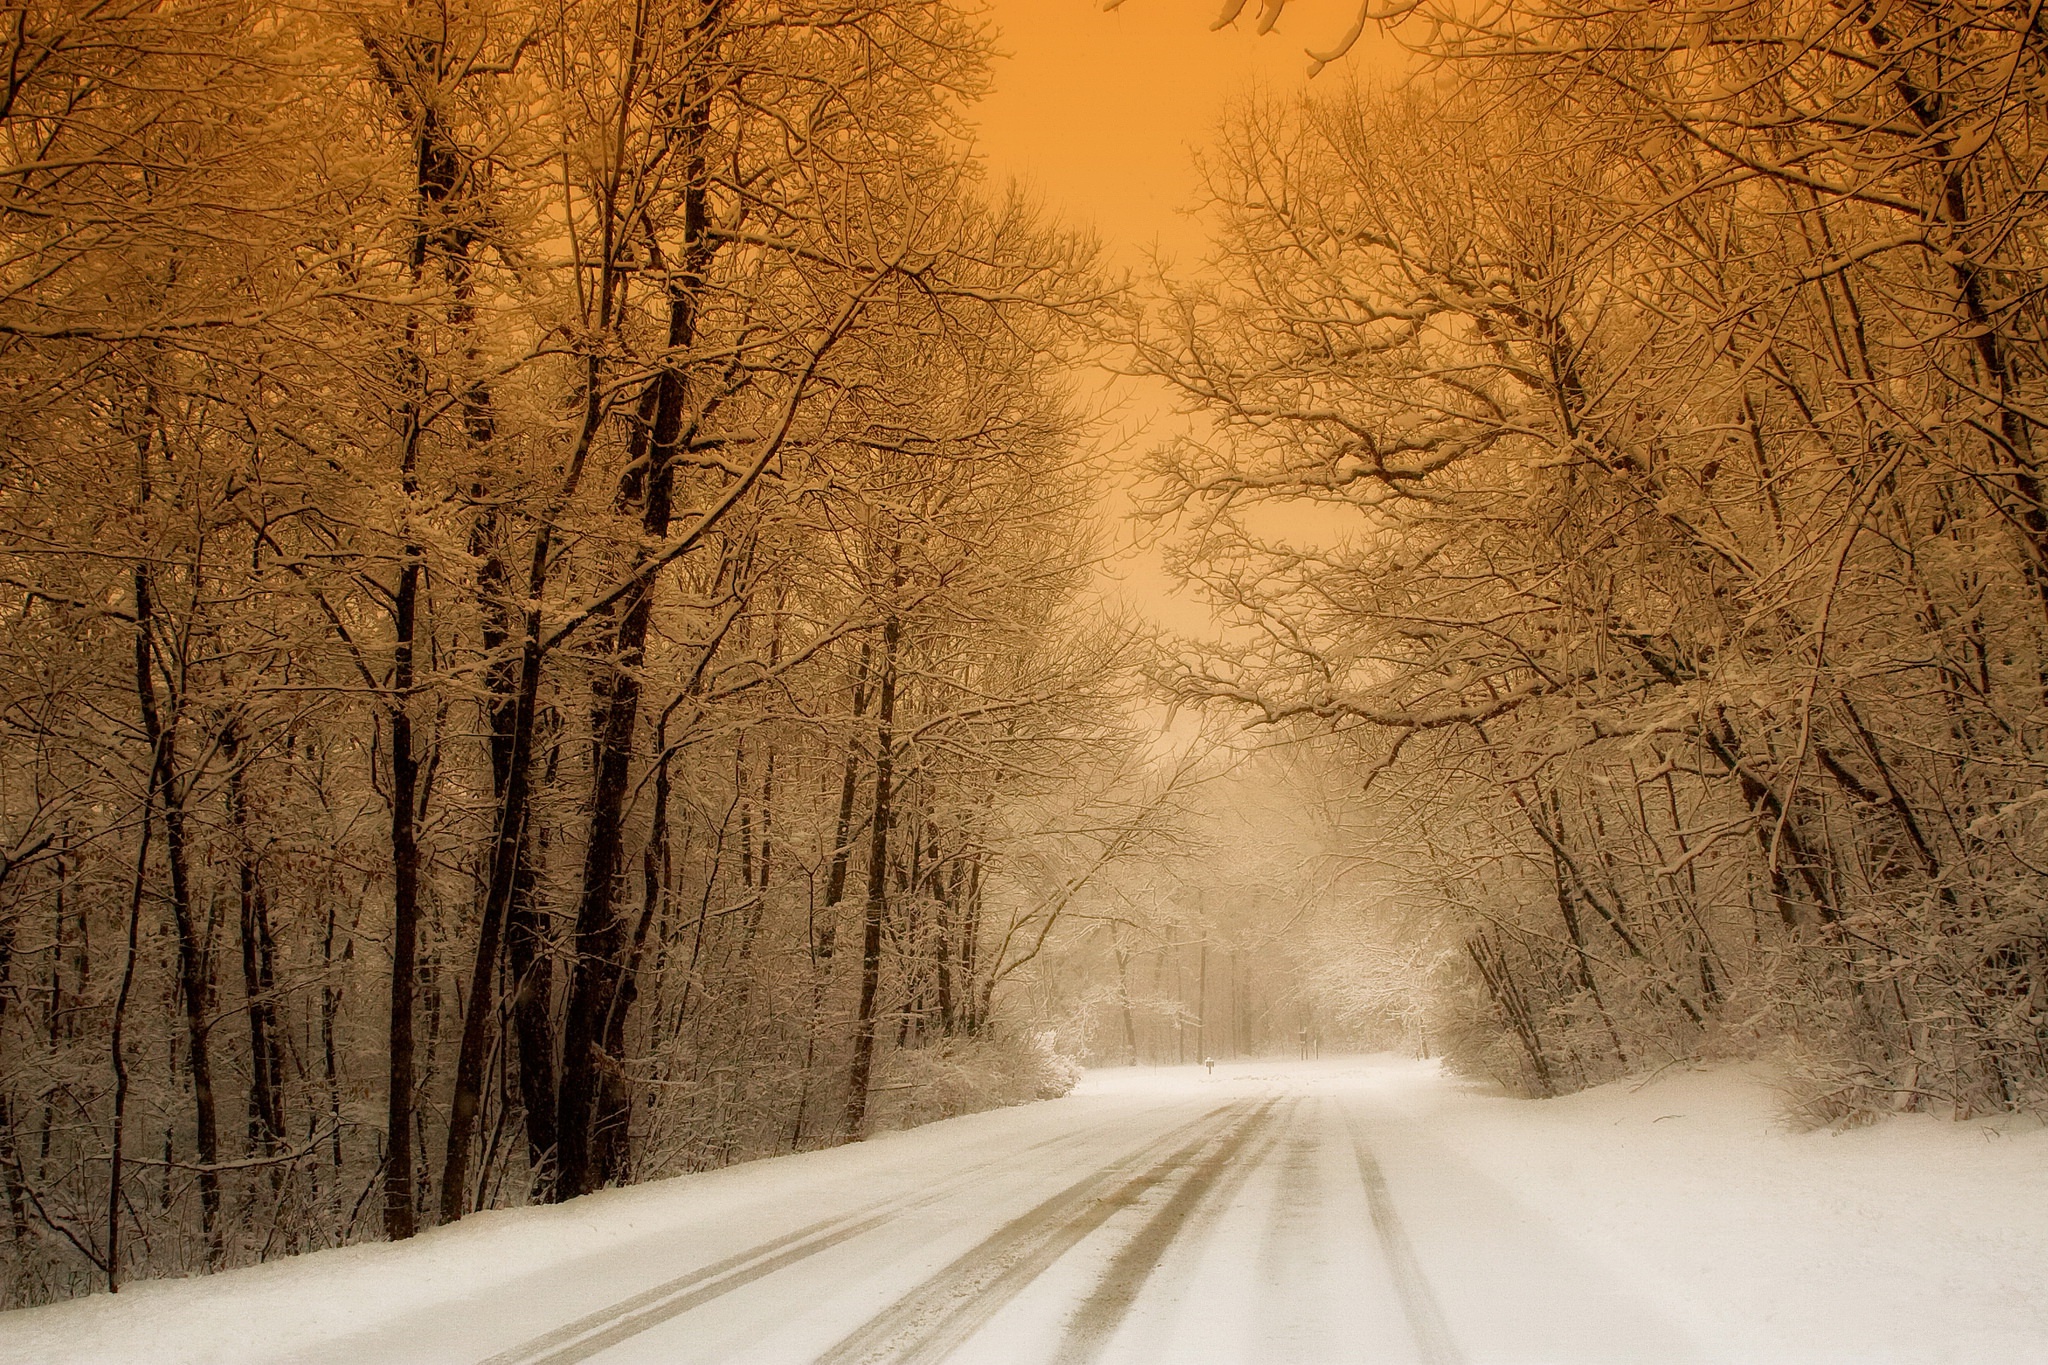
point(117, 1053)
point(1123, 983)
point(824, 937)
point(858, 1074)
point(266, 1061)
point(975, 998)
point(194, 972)
point(598, 970)
point(401, 1218)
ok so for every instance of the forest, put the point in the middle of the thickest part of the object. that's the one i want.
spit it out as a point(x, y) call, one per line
point(1620, 446)
point(554, 628)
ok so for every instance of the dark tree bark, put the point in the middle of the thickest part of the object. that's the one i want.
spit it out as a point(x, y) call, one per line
point(413, 69)
point(860, 1071)
point(947, 886)
point(194, 971)
point(401, 1217)
point(599, 991)
point(824, 926)
point(259, 1003)
point(11, 1174)
point(118, 1055)
point(973, 997)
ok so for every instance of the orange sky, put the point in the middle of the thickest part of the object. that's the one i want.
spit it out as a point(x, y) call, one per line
point(1097, 111)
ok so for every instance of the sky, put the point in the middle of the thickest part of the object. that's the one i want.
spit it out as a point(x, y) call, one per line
point(1100, 115)
point(1099, 112)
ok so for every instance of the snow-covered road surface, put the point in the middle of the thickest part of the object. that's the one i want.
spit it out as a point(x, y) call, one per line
point(1352, 1210)
point(1242, 1220)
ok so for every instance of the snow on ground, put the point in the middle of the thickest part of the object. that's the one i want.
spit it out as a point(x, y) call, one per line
point(1915, 1240)
point(511, 1267)
point(1346, 1209)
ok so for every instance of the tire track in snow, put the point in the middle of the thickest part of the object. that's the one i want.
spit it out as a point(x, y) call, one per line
point(1425, 1316)
point(607, 1327)
point(931, 1320)
point(1291, 1244)
point(1210, 1186)
point(614, 1323)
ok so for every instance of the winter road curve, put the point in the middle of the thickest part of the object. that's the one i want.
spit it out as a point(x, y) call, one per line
point(1062, 1277)
point(1259, 1215)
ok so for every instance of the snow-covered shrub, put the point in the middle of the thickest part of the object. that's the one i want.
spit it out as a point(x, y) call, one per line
point(963, 1075)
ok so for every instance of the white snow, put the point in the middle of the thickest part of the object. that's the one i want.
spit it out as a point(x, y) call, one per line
point(1915, 1240)
point(1673, 1220)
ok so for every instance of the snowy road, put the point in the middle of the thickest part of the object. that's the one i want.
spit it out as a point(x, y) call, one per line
point(1252, 1218)
point(1351, 1210)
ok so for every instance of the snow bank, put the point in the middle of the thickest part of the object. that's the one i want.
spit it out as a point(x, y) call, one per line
point(1914, 1239)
